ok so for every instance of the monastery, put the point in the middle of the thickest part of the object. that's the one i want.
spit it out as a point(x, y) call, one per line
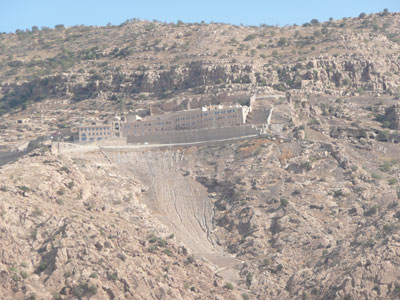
point(213, 116)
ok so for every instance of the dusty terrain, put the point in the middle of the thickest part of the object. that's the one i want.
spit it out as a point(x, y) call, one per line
point(307, 211)
point(77, 227)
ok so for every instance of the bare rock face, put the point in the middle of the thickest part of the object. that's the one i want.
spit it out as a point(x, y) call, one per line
point(318, 75)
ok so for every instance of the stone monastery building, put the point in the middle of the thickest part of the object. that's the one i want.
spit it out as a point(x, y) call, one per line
point(213, 116)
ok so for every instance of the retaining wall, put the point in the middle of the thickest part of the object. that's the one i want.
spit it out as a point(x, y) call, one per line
point(197, 135)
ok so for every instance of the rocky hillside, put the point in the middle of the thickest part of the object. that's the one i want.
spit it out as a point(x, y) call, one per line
point(76, 229)
point(148, 60)
point(309, 210)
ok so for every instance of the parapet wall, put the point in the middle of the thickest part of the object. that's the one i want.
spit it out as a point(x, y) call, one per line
point(195, 135)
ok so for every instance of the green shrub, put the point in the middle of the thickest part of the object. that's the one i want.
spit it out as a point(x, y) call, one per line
point(389, 228)
point(189, 260)
point(59, 27)
point(345, 82)
point(37, 212)
point(393, 204)
point(284, 202)
point(338, 193)
point(250, 37)
point(92, 290)
point(245, 296)
point(67, 274)
point(372, 211)
point(387, 166)
point(167, 252)
point(84, 289)
point(158, 241)
point(324, 30)
point(306, 166)
point(249, 279)
point(113, 276)
point(282, 42)
point(376, 176)
point(24, 188)
point(219, 81)
point(383, 136)
point(229, 286)
point(265, 262)
point(15, 277)
point(23, 274)
point(280, 87)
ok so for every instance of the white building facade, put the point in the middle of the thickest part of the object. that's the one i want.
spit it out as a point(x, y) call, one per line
point(216, 116)
point(213, 116)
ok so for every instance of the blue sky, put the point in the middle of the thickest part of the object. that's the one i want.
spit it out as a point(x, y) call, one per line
point(22, 14)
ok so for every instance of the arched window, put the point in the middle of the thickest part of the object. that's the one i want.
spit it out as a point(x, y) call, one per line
point(83, 137)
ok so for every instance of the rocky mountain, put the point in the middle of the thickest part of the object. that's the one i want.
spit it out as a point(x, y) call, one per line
point(309, 210)
point(141, 59)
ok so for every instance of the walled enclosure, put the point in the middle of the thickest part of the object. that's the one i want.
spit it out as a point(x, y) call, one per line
point(195, 135)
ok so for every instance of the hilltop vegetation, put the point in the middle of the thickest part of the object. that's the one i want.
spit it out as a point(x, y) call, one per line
point(141, 59)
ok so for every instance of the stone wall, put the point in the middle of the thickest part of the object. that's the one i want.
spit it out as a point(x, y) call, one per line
point(199, 135)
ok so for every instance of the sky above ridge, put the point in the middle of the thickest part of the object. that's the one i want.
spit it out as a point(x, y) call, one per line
point(23, 14)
